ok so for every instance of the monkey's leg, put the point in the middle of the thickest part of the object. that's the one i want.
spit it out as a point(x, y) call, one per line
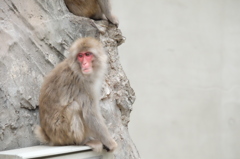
point(96, 145)
point(76, 124)
point(67, 127)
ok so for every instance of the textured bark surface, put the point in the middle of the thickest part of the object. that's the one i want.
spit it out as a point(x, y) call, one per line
point(34, 37)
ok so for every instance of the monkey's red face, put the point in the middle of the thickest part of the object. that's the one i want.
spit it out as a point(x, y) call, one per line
point(85, 59)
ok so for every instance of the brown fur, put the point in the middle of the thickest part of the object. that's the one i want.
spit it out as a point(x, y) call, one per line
point(68, 102)
point(94, 9)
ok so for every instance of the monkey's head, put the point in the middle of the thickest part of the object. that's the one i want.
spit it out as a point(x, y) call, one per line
point(87, 55)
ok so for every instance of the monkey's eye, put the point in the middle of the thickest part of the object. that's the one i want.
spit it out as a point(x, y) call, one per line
point(88, 54)
point(80, 55)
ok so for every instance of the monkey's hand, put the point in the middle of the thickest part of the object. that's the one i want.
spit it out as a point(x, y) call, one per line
point(111, 147)
point(113, 19)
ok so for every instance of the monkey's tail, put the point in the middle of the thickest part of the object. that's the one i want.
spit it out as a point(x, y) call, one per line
point(41, 135)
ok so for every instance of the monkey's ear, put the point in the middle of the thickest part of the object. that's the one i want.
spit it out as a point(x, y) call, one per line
point(73, 50)
point(70, 53)
point(70, 50)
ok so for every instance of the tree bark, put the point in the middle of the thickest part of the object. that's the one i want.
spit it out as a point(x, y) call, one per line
point(34, 37)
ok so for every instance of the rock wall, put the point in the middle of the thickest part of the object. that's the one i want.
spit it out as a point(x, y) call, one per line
point(34, 37)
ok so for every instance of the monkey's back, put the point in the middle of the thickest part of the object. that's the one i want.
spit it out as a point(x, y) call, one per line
point(84, 8)
point(59, 87)
point(57, 93)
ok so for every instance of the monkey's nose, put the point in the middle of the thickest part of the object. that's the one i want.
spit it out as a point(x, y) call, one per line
point(85, 64)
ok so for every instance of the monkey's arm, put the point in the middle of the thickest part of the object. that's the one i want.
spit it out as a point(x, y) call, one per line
point(95, 123)
point(106, 9)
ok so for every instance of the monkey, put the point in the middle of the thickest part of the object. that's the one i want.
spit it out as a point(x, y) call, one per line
point(69, 99)
point(94, 9)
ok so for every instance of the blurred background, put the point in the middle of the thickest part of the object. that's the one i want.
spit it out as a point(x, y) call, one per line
point(182, 58)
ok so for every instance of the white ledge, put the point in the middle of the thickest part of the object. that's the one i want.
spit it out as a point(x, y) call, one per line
point(52, 152)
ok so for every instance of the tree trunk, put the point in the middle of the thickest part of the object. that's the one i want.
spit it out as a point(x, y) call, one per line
point(35, 36)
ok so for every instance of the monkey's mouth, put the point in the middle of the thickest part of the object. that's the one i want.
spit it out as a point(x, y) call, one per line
point(86, 70)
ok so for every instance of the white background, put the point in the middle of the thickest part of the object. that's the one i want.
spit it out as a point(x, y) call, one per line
point(182, 58)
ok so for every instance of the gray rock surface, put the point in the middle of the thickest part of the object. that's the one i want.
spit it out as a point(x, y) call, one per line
point(34, 37)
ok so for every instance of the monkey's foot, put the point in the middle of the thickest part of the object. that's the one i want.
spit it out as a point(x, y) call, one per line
point(96, 145)
point(111, 147)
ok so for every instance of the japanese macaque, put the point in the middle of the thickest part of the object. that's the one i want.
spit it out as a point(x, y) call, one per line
point(69, 99)
point(94, 9)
